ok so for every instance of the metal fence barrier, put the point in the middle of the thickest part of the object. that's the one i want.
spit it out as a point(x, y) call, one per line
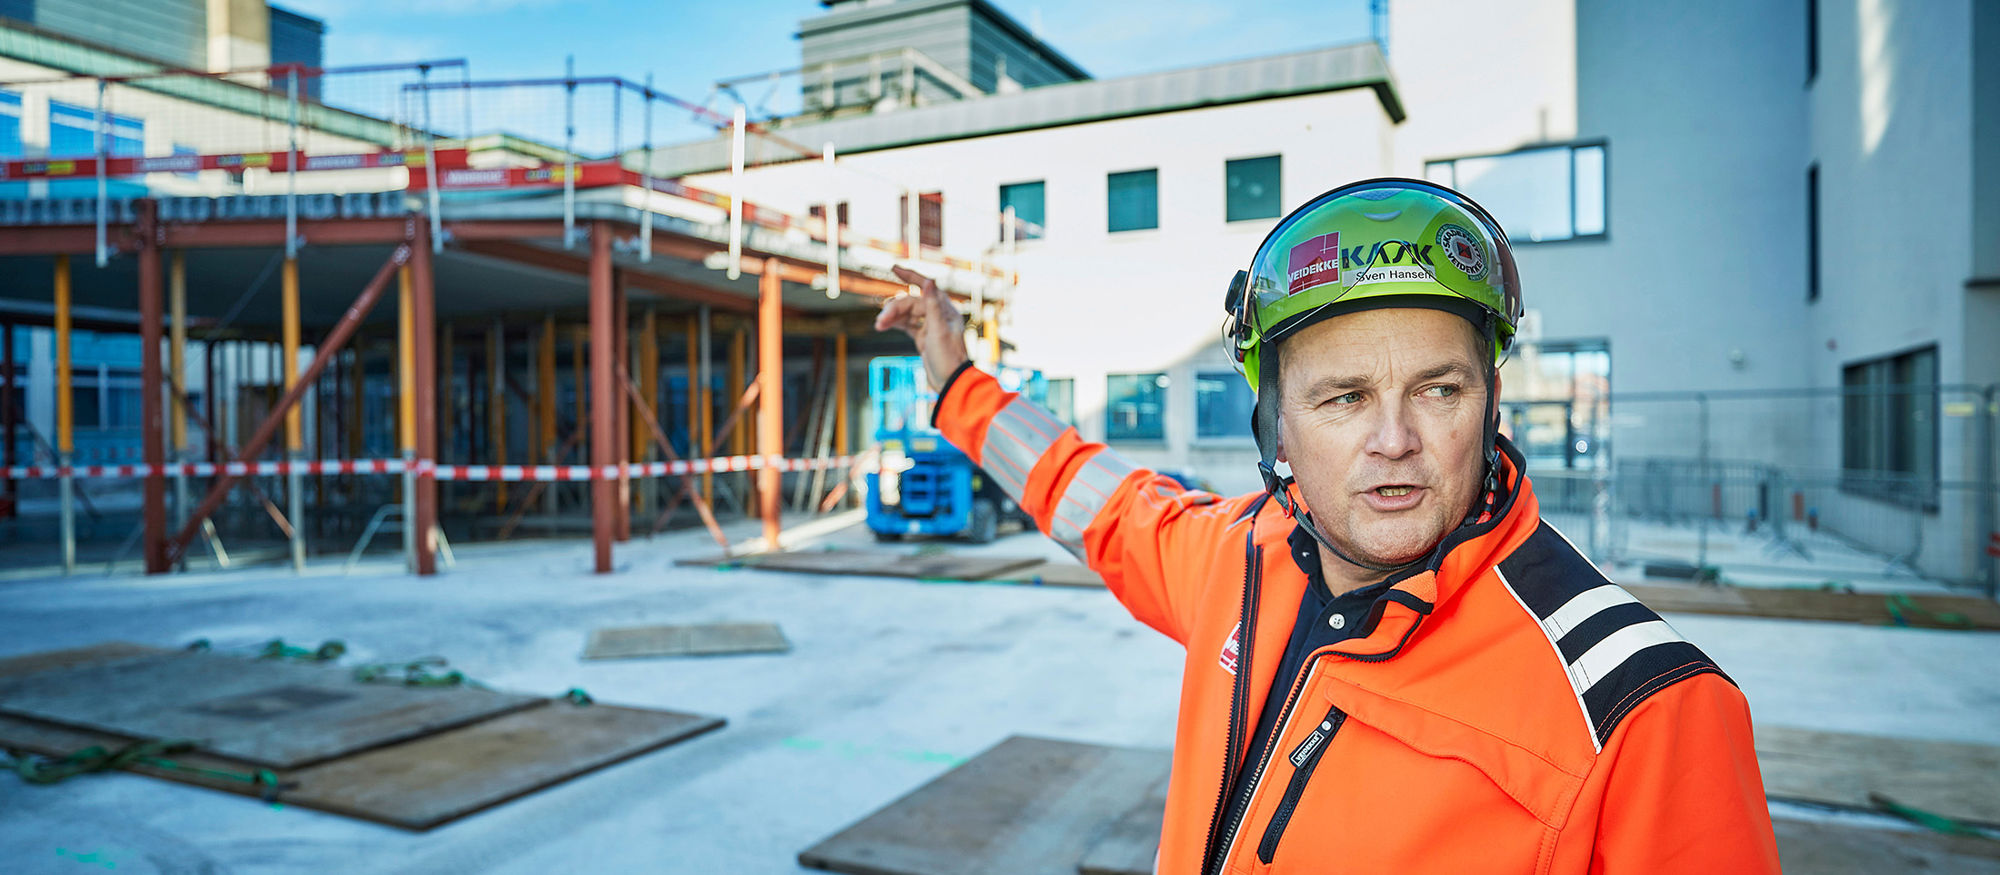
point(1790, 485)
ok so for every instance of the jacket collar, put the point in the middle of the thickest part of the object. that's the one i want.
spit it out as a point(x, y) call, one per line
point(1458, 560)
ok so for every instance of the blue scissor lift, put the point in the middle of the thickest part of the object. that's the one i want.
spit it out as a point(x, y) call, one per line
point(924, 485)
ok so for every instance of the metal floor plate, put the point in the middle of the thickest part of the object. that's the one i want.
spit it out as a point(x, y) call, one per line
point(707, 639)
point(1032, 806)
point(272, 714)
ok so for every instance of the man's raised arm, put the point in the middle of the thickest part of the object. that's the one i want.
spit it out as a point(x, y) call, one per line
point(1150, 539)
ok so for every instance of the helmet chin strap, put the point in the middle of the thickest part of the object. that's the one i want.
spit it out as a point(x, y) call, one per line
point(1264, 428)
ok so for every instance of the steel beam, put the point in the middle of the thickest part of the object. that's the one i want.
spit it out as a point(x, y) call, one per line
point(7, 406)
point(154, 498)
point(328, 348)
point(65, 418)
point(603, 491)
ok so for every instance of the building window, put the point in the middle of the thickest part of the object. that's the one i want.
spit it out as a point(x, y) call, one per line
point(1026, 200)
point(1889, 433)
point(930, 219)
point(1222, 403)
point(1062, 399)
point(73, 134)
point(1135, 407)
point(1812, 232)
point(1252, 188)
point(1132, 200)
point(10, 125)
point(1540, 195)
point(818, 211)
point(1812, 41)
point(1555, 405)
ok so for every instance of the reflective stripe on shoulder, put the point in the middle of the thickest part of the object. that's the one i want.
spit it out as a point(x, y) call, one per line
point(1615, 651)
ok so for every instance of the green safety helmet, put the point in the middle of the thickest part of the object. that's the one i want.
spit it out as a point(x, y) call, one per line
point(1373, 244)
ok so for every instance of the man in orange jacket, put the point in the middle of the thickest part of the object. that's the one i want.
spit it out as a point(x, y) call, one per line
point(1393, 663)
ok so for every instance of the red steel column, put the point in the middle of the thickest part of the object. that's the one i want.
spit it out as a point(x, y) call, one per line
point(771, 394)
point(7, 400)
point(423, 330)
point(603, 490)
point(154, 540)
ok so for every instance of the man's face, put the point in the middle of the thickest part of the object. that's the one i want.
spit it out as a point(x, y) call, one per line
point(1381, 417)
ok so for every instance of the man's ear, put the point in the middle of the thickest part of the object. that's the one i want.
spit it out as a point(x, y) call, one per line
point(1281, 440)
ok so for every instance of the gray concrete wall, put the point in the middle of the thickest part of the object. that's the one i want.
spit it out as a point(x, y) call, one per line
point(175, 31)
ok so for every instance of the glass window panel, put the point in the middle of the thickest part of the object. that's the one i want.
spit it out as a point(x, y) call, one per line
point(1590, 205)
point(1222, 403)
point(1027, 200)
point(1253, 190)
point(10, 125)
point(1062, 399)
point(1132, 200)
point(1135, 407)
point(1529, 192)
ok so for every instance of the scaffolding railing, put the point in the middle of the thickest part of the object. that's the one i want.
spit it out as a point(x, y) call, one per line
point(427, 128)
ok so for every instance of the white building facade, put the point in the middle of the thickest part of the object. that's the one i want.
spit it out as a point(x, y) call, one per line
point(1760, 243)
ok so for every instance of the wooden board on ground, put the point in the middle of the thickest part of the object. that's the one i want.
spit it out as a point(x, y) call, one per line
point(417, 784)
point(1807, 848)
point(1931, 611)
point(271, 713)
point(420, 784)
point(1031, 806)
point(96, 654)
point(1023, 805)
point(1954, 779)
point(1055, 574)
point(1132, 843)
point(876, 563)
point(705, 639)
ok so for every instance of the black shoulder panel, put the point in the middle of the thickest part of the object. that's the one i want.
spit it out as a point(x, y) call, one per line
point(1616, 651)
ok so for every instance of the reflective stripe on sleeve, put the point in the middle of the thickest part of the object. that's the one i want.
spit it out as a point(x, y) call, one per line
point(1016, 438)
point(1087, 494)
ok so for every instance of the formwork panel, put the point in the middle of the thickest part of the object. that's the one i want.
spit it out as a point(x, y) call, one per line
point(707, 639)
point(273, 714)
point(1027, 805)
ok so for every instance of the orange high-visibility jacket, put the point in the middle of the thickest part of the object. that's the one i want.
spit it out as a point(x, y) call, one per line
point(1510, 710)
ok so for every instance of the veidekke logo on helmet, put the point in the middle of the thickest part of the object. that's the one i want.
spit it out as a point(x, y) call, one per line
point(1315, 262)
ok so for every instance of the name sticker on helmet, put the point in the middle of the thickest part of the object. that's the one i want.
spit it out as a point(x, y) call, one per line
point(1315, 262)
point(1463, 250)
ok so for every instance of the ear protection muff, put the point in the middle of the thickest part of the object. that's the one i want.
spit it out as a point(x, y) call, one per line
point(1236, 303)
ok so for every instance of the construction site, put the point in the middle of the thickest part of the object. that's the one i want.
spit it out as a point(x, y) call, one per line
point(406, 471)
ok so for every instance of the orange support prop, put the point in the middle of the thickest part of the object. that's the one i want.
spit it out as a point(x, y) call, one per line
point(771, 400)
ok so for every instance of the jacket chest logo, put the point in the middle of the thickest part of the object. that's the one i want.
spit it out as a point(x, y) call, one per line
point(1232, 650)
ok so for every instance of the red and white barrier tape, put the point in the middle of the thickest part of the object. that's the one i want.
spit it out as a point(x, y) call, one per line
point(470, 473)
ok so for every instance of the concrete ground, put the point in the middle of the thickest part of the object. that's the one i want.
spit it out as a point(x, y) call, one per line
point(889, 684)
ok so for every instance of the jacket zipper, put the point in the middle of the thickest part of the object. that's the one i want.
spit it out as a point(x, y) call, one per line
point(1218, 853)
point(1305, 758)
point(1253, 558)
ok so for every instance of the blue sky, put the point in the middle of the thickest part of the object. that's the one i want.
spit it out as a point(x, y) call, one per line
point(687, 46)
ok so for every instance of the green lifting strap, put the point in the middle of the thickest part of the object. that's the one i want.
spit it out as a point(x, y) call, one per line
point(1930, 820)
point(276, 648)
point(415, 673)
point(1902, 609)
point(151, 752)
